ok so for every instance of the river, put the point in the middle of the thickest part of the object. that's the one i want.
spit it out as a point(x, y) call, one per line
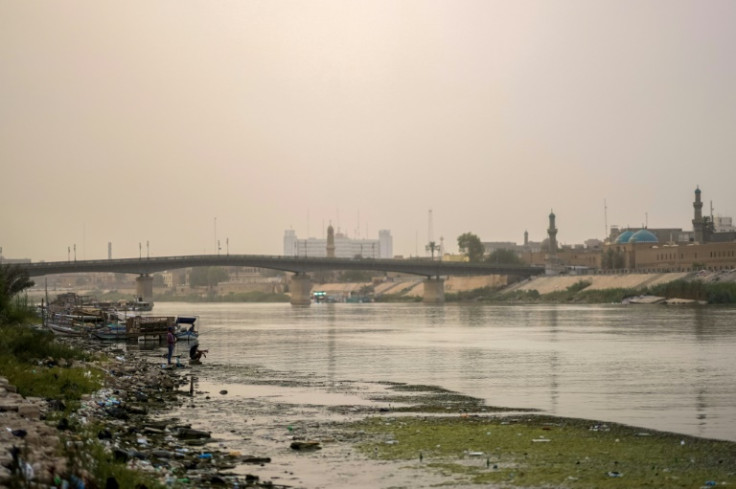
point(658, 367)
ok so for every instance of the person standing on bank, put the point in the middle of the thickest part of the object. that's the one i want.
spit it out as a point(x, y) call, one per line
point(170, 340)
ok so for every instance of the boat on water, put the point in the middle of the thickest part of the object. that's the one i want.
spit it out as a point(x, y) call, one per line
point(184, 328)
point(140, 305)
point(72, 323)
point(110, 332)
point(66, 328)
point(146, 328)
point(115, 323)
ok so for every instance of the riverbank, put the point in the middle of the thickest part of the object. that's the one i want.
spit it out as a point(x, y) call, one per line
point(397, 435)
point(175, 427)
point(95, 415)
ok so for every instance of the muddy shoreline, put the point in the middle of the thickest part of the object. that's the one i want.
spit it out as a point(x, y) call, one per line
point(210, 426)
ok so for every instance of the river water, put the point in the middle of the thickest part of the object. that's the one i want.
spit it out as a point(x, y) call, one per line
point(658, 367)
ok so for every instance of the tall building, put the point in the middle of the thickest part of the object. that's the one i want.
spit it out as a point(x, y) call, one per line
point(290, 243)
point(386, 244)
point(339, 245)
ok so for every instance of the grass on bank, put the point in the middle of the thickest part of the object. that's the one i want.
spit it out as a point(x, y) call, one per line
point(538, 451)
point(32, 360)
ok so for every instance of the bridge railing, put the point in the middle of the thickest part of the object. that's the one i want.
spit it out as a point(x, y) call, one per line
point(293, 264)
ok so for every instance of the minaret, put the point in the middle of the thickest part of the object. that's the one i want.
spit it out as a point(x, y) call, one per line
point(330, 241)
point(698, 225)
point(552, 232)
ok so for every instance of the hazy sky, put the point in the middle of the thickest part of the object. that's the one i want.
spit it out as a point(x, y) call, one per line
point(183, 122)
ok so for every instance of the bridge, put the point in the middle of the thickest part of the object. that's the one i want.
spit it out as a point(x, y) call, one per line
point(300, 284)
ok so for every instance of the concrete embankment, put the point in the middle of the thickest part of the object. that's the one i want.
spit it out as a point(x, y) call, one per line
point(543, 284)
point(549, 284)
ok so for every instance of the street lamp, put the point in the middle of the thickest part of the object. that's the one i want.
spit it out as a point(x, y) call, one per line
point(75, 252)
point(140, 251)
point(148, 255)
point(227, 245)
point(69, 253)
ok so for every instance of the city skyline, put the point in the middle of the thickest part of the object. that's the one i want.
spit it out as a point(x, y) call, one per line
point(165, 128)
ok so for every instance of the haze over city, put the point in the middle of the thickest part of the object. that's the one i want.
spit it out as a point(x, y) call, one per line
point(179, 124)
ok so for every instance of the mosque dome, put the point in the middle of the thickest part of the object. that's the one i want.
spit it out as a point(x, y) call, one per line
point(624, 237)
point(643, 236)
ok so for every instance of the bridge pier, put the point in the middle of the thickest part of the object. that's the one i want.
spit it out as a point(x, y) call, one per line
point(434, 291)
point(300, 287)
point(144, 287)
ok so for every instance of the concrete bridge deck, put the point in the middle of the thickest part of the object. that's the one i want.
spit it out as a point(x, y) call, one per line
point(300, 286)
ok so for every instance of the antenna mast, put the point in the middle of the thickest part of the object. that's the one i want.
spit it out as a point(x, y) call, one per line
point(605, 218)
point(430, 231)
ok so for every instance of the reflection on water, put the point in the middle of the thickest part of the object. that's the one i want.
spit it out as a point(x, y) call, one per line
point(659, 367)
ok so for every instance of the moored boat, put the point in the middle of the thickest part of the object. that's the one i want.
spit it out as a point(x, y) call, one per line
point(112, 331)
point(185, 329)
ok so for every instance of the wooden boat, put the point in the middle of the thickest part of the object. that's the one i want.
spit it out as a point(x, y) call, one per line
point(70, 324)
point(111, 332)
point(184, 328)
point(67, 329)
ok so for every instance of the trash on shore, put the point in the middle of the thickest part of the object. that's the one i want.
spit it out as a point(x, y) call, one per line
point(305, 445)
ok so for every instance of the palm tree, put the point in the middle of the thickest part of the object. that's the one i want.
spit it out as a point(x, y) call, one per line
point(13, 280)
point(431, 247)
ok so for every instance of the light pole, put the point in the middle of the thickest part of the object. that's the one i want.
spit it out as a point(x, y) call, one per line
point(140, 251)
point(218, 247)
point(148, 255)
point(75, 252)
point(69, 253)
point(227, 246)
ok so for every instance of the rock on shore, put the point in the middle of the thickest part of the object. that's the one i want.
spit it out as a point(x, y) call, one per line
point(27, 444)
point(135, 391)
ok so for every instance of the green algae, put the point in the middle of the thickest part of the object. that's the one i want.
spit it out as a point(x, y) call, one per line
point(540, 451)
point(417, 398)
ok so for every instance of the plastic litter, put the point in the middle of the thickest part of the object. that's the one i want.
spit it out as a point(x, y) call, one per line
point(205, 456)
point(27, 471)
point(615, 474)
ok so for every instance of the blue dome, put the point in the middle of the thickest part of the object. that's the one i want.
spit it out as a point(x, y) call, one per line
point(624, 237)
point(643, 236)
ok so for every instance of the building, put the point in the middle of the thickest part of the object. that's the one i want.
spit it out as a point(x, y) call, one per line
point(707, 246)
point(339, 245)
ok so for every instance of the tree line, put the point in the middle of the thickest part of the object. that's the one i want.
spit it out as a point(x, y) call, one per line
point(471, 246)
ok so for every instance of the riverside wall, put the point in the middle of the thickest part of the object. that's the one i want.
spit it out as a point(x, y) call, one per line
point(549, 284)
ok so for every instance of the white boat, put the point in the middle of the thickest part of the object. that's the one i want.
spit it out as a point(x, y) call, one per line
point(184, 328)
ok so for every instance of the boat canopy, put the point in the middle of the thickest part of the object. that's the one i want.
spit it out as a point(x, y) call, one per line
point(186, 319)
